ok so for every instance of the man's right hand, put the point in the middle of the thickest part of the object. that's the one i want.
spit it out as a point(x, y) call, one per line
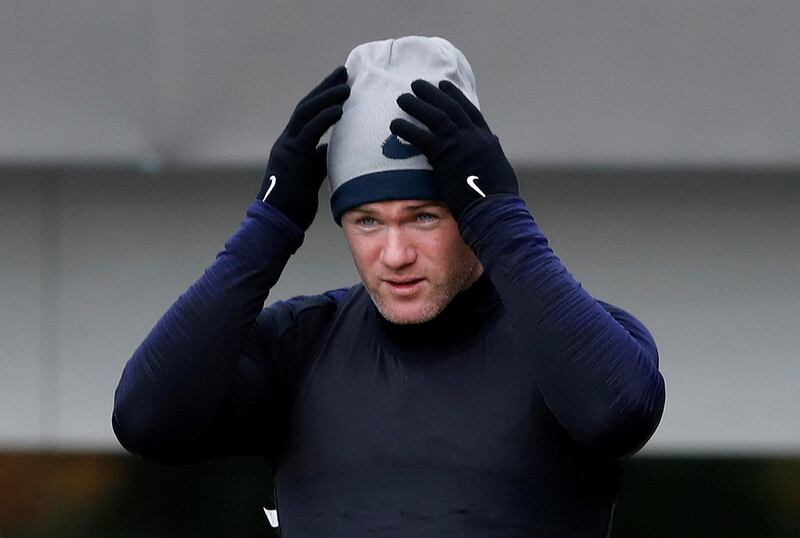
point(297, 164)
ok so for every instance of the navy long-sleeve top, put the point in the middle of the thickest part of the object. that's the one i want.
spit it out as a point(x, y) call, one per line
point(505, 416)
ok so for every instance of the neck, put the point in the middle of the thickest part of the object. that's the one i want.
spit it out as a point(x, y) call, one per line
point(462, 317)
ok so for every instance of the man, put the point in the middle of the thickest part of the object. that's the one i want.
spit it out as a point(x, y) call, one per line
point(467, 387)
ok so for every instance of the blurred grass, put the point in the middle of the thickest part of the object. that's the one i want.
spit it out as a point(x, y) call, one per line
point(49, 495)
point(702, 497)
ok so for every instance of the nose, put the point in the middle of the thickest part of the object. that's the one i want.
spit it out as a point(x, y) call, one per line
point(398, 250)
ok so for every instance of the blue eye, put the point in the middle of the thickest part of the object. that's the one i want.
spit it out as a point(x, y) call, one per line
point(426, 217)
point(366, 221)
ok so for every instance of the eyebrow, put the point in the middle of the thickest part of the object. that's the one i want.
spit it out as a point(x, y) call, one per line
point(412, 207)
point(422, 205)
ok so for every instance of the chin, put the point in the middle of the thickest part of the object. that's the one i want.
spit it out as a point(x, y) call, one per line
point(408, 314)
point(409, 319)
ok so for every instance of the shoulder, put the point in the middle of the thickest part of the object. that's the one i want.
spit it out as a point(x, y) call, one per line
point(287, 333)
point(307, 312)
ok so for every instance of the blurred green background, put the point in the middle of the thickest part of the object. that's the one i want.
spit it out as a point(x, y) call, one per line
point(65, 495)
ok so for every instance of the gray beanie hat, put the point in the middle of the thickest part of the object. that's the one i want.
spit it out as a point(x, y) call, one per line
point(366, 162)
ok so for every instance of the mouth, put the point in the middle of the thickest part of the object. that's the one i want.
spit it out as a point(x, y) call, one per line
point(404, 286)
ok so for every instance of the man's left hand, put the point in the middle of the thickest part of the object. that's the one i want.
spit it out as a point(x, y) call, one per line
point(468, 162)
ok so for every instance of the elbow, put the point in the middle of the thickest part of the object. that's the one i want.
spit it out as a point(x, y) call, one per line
point(133, 430)
point(140, 435)
point(619, 431)
point(155, 434)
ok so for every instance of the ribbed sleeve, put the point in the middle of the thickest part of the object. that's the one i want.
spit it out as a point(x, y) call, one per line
point(595, 364)
point(188, 373)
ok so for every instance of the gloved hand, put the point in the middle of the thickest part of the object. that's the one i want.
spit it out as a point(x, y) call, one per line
point(468, 162)
point(296, 165)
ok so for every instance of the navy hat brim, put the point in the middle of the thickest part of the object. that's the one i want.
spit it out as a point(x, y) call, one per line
point(382, 186)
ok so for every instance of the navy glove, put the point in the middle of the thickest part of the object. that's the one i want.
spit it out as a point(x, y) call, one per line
point(468, 162)
point(297, 166)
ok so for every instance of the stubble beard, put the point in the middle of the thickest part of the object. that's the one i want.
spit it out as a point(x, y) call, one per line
point(438, 300)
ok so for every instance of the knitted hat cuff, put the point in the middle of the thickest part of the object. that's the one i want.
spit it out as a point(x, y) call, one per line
point(382, 186)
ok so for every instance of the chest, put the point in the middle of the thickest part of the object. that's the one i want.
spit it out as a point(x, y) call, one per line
point(473, 405)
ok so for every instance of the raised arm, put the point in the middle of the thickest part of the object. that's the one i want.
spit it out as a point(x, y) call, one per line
point(596, 365)
point(170, 404)
point(204, 383)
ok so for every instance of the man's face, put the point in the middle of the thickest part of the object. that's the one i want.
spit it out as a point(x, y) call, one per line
point(410, 256)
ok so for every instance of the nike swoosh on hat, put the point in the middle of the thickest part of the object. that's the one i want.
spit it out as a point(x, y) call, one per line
point(393, 148)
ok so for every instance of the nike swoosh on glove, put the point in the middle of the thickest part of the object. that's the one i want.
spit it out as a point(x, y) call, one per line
point(297, 165)
point(468, 162)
